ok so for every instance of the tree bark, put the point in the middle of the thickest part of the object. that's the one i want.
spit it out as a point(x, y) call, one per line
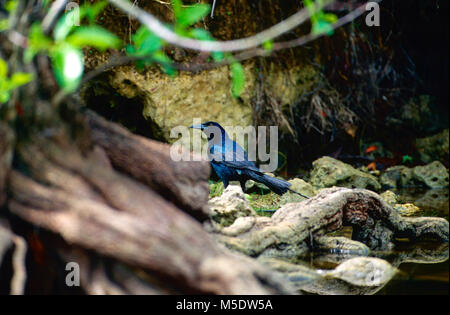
point(185, 184)
point(297, 228)
point(66, 185)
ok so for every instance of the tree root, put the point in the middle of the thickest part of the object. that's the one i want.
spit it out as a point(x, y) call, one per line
point(295, 228)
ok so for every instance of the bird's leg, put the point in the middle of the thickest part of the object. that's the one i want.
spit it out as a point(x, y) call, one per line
point(242, 182)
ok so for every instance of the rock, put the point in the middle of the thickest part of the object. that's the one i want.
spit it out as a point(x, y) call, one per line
point(434, 199)
point(231, 205)
point(407, 209)
point(390, 197)
point(289, 231)
point(434, 147)
point(170, 102)
point(397, 176)
point(434, 175)
point(328, 172)
point(251, 185)
point(364, 271)
point(340, 245)
point(418, 114)
point(240, 225)
point(302, 187)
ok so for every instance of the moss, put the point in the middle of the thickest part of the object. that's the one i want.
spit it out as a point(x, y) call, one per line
point(260, 203)
point(215, 189)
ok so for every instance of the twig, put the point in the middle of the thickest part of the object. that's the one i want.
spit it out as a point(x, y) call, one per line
point(169, 36)
point(18, 262)
point(51, 16)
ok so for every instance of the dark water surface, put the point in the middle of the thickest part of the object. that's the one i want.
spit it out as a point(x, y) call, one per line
point(424, 266)
point(423, 278)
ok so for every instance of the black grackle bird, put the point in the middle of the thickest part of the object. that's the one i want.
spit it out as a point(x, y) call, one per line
point(230, 161)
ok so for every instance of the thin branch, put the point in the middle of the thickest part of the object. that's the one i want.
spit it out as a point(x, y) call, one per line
point(256, 52)
point(248, 54)
point(51, 16)
point(171, 37)
point(18, 262)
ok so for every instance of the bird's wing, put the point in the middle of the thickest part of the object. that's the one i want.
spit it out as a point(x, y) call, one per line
point(232, 157)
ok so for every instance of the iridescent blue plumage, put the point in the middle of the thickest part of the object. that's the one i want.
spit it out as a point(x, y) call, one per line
point(230, 161)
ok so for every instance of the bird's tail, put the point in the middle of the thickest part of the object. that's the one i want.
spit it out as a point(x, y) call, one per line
point(300, 194)
point(277, 185)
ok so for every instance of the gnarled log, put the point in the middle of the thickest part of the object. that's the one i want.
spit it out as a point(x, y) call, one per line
point(291, 231)
point(185, 184)
point(77, 195)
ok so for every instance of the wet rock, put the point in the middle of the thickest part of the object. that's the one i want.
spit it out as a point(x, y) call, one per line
point(298, 273)
point(355, 276)
point(434, 199)
point(390, 197)
point(418, 114)
point(407, 209)
point(328, 172)
point(397, 176)
point(434, 147)
point(364, 271)
point(231, 205)
point(300, 186)
point(434, 175)
point(340, 245)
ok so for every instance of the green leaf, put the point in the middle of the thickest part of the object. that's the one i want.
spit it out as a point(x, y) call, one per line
point(202, 34)
point(65, 25)
point(68, 66)
point(141, 34)
point(20, 78)
point(4, 96)
point(165, 62)
point(268, 45)
point(323, 23)
point(92, 10)
point(237, 79)
point(329, 17)
point(3, 69)
point(192, 15)
point(94, 36)
point(4, 24)
point(11, 5)
point(37, 42)
point(177, 7)
point(322, 27)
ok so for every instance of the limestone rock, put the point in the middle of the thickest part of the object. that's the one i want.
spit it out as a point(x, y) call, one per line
point(407, 209)
point(328, 172)
point(434, 147)
point(231, 205)
point(390, 197)
point(364, 271)
point(397, 176)
point(302, 187)
point(434, 175)
point(170, 102)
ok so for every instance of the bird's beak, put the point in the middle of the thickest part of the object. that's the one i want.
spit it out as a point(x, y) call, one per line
point(198, 126)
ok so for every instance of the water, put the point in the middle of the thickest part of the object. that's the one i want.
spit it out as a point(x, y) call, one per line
point(426, 277)
point(424, 266)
